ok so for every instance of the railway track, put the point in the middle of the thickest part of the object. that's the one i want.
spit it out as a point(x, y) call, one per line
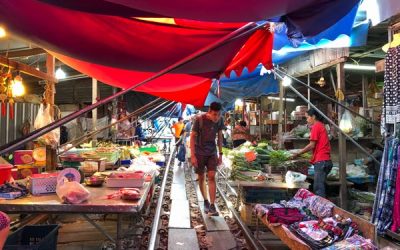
point(196, 230)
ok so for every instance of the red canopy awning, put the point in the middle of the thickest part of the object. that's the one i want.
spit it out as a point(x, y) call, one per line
point(308, 17)
point(183, 88)
point(124, 51)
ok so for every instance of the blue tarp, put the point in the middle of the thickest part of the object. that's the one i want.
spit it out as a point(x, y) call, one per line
point(247, 85)
point(350, 31)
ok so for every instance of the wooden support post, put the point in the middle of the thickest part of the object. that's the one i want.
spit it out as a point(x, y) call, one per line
point(280, 125)
point(342, 141)
point(94, 111)
point(51, 153)
point(364, 83)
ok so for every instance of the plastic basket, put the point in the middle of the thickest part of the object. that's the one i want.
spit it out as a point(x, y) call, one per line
point(248, 215)
point(151, 149)
point(43, 183)
point(34, 237)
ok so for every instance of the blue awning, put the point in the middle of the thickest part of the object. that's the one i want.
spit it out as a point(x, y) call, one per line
point(247, 85)
point(350, 31)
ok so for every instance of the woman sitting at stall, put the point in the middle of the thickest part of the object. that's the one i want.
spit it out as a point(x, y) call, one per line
point(319, 144)
point(240, 134)
point(4, 228)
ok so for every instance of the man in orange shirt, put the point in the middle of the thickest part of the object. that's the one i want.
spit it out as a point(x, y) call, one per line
point(177, 129)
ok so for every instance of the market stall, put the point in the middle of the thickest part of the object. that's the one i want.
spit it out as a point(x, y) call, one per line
point(83, 184)
point(310, 222)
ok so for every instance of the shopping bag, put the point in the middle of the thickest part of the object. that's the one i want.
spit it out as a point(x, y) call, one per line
point(44, 118)
point(71, 192)
point(347, 122)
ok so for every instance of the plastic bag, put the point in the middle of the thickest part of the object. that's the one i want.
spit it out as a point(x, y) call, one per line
point(44, 118)
point(71, 192)
point(293, 177)
point(347, 122)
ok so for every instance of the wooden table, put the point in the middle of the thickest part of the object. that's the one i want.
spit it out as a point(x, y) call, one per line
point(97, 204)
point(293, 242)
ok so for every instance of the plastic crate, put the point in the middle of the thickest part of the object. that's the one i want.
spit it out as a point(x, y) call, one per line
point(263, 195)
point(248, 215)
point(43, 183)
point(34, 237)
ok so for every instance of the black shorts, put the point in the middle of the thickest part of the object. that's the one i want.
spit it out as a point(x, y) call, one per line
point(203, 162)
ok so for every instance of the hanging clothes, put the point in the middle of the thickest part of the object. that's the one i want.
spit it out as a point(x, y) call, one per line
point(391, 105)
point(386, 187)
point(396, 205)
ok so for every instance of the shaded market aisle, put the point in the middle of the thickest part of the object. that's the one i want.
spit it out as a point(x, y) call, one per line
point(182, 235)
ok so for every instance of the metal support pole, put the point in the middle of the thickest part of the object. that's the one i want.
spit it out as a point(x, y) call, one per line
point(242, 31)
point(308, 90)
point(280, 128)
point(328, 98)
point(342, 140)
point(94, 111)
point(88, 219)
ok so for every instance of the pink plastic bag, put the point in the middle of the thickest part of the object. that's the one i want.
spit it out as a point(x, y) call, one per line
point(71, 192)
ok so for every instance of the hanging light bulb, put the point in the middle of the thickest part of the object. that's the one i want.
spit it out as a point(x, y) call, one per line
point(60, 74)
point(3, 32)
point(321, 82)
point(286, 81)
point(17, 88)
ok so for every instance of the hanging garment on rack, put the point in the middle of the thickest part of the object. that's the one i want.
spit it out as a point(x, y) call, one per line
point(386, 187)
point(391, 105)
point(396, 205)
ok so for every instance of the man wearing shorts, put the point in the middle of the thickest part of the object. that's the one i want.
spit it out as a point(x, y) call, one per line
point(206, 130)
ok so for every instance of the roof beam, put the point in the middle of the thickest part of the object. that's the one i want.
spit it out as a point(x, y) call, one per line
point(26, 69)
point(23, 53)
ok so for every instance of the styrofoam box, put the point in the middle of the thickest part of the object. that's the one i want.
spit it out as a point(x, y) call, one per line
point(124, 182)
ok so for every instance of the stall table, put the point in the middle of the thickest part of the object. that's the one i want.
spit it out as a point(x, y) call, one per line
point(265, 186)
point(97, 204)
point(293, 242)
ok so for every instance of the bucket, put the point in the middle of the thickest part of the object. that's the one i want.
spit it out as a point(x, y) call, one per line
point(5, 173)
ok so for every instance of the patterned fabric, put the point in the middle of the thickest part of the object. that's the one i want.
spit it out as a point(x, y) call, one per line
point(303, 194)
point(319, 206)
point(355, 242)
point(323, 233)
point(4, 221)
point(386, 187)
point(391, 105)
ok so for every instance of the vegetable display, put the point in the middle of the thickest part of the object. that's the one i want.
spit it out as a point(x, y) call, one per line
point(278, 157)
